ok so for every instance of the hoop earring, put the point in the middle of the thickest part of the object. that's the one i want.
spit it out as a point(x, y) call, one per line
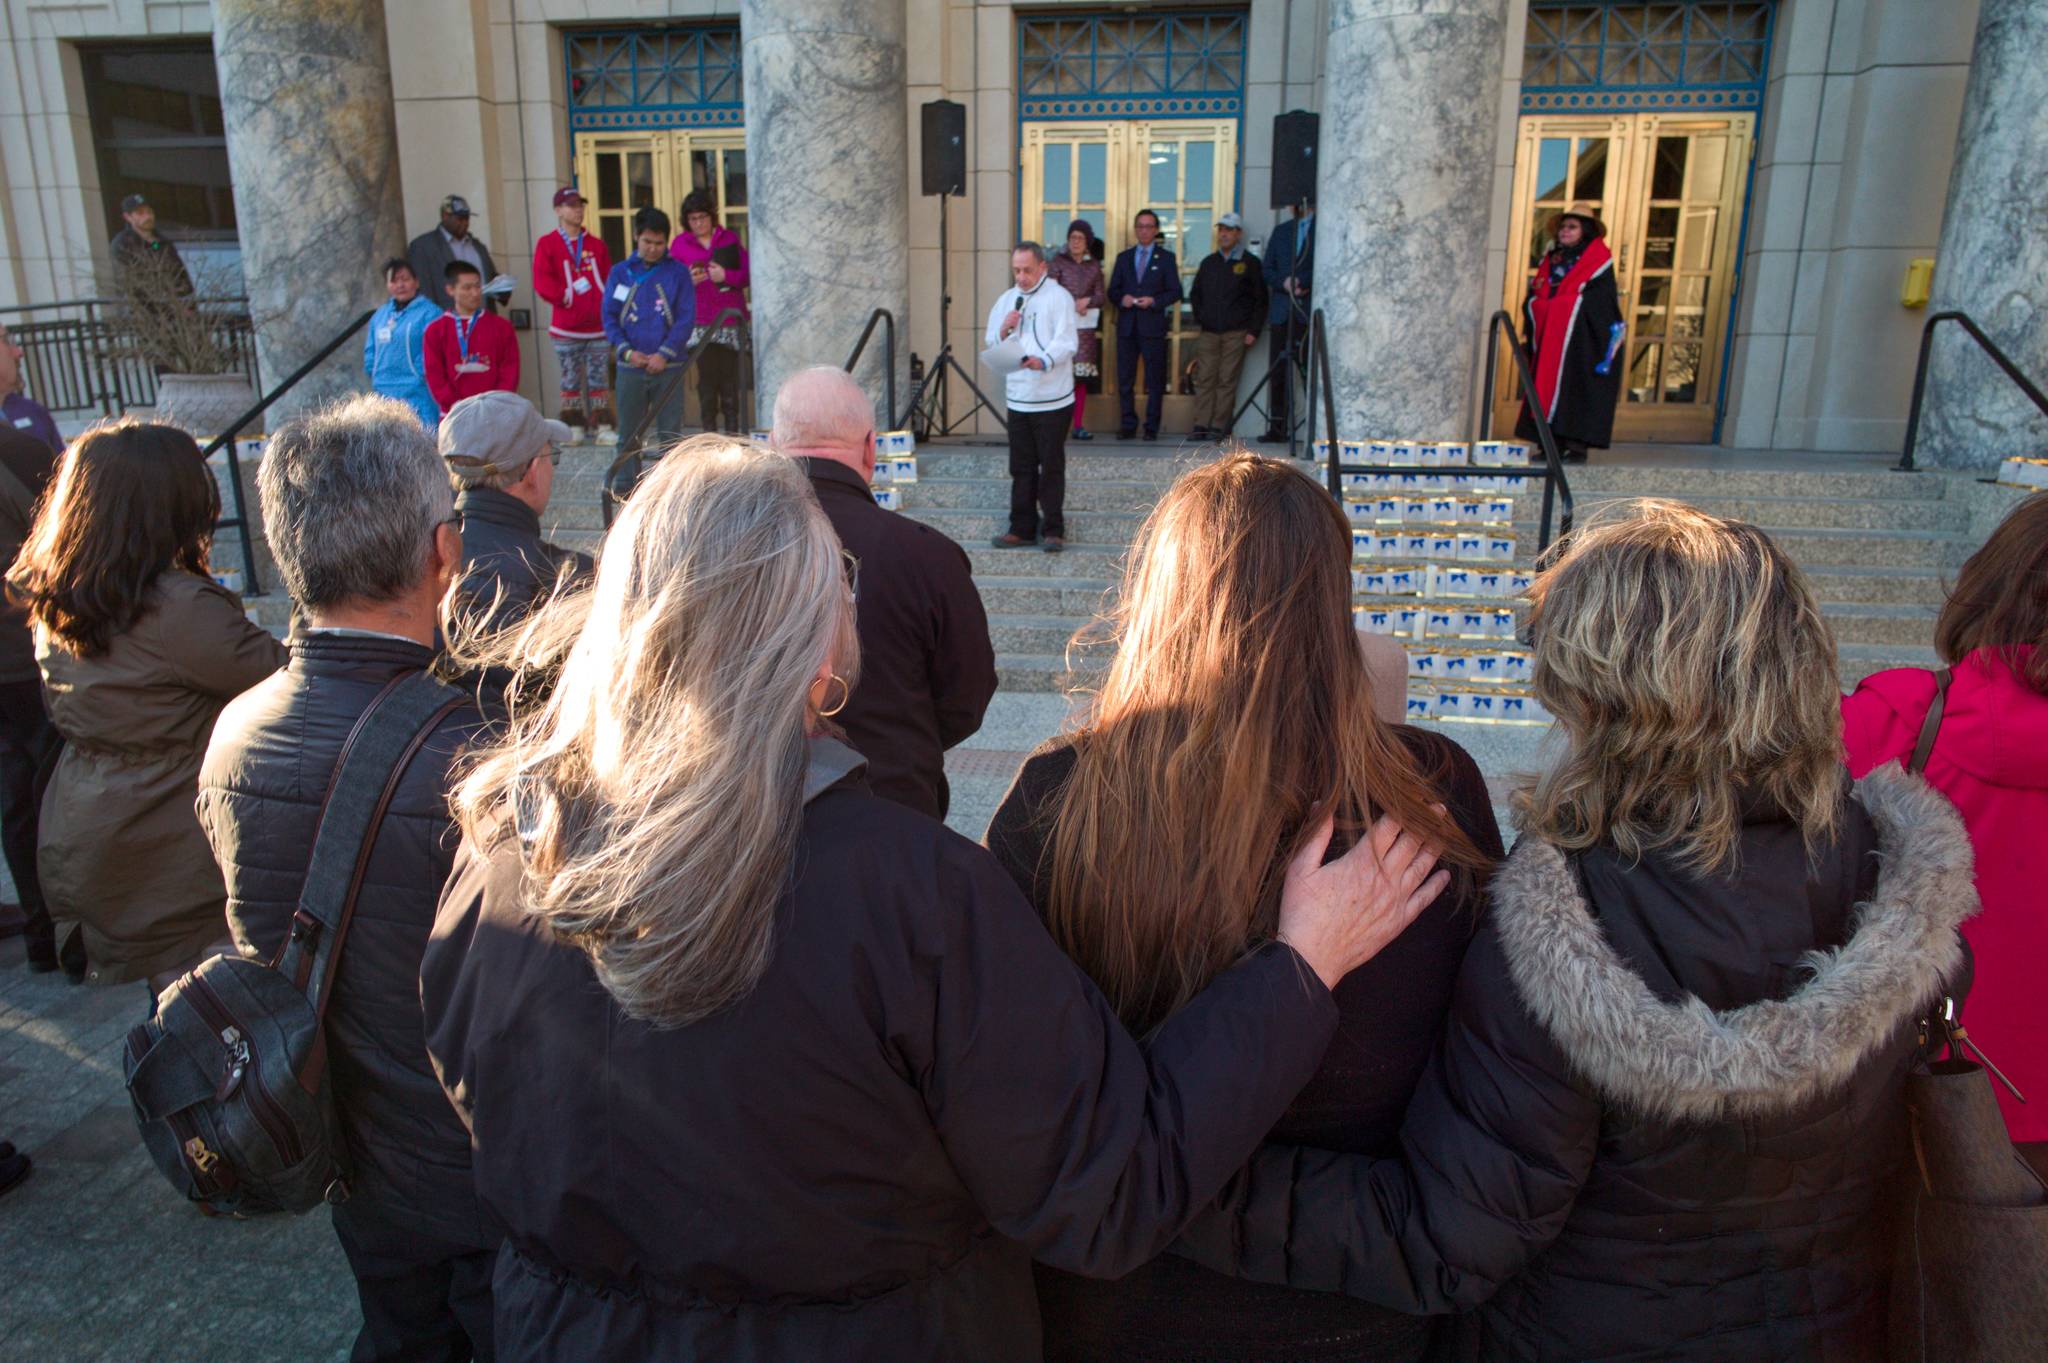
point(845, 695)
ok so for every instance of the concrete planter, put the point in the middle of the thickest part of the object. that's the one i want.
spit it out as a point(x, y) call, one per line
point(203, 405)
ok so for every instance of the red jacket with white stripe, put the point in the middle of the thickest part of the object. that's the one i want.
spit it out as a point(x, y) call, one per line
point(572, 316)
point(493, 357)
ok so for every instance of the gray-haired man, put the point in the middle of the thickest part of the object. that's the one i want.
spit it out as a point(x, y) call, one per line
point(359, 514)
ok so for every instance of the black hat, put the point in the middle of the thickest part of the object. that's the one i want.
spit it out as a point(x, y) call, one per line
point(133, 202)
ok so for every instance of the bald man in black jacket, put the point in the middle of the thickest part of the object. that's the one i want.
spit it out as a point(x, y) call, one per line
point(927, 669)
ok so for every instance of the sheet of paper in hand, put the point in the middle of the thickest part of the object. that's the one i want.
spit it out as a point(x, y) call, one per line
point(1005, 356)
point(1089, 320)
point(501, 286)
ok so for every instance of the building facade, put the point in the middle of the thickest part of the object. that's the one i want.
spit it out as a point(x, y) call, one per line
point(1769, 170)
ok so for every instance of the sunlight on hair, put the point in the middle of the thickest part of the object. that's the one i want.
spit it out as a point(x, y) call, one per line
point(656, 794)
point(1693, 677)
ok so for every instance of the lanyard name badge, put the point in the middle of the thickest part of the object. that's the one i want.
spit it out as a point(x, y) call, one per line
point(579, 282)
point(467, 365)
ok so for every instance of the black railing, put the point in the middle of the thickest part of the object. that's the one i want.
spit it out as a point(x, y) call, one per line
point(624, 474)
point(80, 356)
point(888, 322)
point(1990, 347)
point(1502, 324)
point(1557, 493)
point(251, 584)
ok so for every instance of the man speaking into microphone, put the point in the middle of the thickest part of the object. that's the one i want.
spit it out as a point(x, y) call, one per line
point(1037, 319)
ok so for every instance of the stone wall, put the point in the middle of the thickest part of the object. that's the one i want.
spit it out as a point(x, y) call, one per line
point(1854, 147)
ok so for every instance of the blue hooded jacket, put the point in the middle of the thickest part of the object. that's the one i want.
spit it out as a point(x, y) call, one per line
point(394, 354)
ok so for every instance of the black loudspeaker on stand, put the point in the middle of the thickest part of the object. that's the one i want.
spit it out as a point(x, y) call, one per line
point(1294, 158)
point(944, 156)
point(945, 147)
point(1295, 135)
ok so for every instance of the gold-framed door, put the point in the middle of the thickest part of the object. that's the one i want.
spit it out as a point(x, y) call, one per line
point(1670, 189)
point(622, 173)
point(1185, 170)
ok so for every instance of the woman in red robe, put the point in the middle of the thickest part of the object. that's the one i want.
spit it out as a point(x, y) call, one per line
point(1573, 334)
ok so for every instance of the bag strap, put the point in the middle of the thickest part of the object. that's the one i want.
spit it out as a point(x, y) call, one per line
point(1931, 726)
point(380, 747)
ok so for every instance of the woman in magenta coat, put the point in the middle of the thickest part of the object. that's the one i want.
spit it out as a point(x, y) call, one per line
point(718, 265)
point(1990, 758)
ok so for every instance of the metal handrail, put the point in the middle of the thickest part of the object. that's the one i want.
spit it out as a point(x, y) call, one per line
point(1557, 493)
point(1553, 475)
point(251, 585)
point(629, 443)
point(1998, 357)
point(888, 356)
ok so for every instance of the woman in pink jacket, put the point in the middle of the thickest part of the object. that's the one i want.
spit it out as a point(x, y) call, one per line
point(715, 257)
point(1991, 758)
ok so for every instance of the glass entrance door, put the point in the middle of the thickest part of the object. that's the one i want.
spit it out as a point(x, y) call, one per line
point(1669, 188)
point(622, 173)
point(1183, 170)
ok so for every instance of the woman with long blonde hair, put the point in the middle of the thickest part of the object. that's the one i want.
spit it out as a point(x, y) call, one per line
point(1155, 838)
point(1665, 1116)
point(759, 1066)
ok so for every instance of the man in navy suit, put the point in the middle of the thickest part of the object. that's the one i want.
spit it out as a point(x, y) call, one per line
point(1290, 277)
point(1146, 287)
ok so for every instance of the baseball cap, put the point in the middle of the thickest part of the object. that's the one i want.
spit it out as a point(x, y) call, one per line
point(455, 204)
point(495, 430)
point(1230, 220)
point(133, 202)
point(567, 194)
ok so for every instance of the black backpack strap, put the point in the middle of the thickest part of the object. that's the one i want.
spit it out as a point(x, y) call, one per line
point(1931, 726)
point(394, 727)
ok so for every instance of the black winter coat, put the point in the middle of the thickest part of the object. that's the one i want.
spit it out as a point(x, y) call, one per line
point(507, 569)
point(1230, 295)
point(858, 1160)
point(1663, 1119)
point(927, 669)
point(260, 791)
point(1390, 1011)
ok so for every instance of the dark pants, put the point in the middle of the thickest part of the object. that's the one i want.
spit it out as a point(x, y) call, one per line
point(1152, 349)
point(28, 750)
point(635, 389)
point(718, 387)
point(424, 1300)
point(1280, 388)
point(1038, 472)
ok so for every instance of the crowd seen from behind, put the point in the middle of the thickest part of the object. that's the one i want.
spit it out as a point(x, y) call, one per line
point(673, 1023)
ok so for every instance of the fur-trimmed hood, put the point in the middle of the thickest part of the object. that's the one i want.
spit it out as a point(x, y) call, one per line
point(1683, 1061)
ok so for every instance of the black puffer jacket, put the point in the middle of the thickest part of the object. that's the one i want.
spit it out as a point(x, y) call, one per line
point(506, 565)
point(1664, 1115)
point(260, 792)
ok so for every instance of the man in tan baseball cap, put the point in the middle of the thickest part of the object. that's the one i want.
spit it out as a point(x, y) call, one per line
point(501, 455)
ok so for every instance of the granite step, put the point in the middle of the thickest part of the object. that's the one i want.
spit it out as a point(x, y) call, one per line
point(1109, 529)
point(1848, 512)
point(1049, 671)
point(1881, 625)
point(1025, 594)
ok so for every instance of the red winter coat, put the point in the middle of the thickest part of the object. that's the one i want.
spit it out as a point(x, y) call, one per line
point(1991, 760)
point(492, 345)
point(572, 316)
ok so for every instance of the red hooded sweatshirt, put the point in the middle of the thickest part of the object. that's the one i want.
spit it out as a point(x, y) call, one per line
point(558, 263)
point(469, 355)
point(1991, 760)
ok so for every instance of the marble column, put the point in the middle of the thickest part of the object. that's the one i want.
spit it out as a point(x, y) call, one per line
point(828, 180)
point(1993, 259)
point(305, 91)
point(1404, 187)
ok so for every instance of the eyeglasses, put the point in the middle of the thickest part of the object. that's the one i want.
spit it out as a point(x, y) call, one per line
point(852, 566)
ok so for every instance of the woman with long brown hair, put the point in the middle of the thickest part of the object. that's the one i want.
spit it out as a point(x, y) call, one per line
point(1988, 753)
point(1154, 840)
point(140, 649)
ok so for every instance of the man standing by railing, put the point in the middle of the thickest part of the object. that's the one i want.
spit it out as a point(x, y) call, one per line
point(138, 247)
